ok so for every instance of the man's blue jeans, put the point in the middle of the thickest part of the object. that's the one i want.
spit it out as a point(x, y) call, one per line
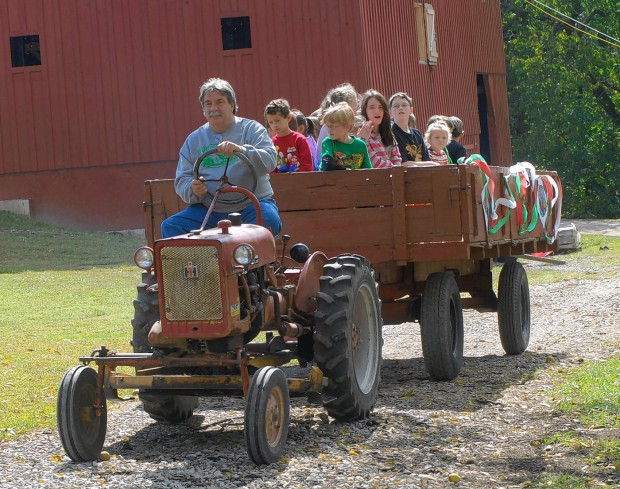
point(191, 218)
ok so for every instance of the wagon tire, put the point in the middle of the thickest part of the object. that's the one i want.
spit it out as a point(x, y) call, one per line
point(348, 337)
point(82, 432)
point(513, 308)
point(267, 414)
point(441, 326)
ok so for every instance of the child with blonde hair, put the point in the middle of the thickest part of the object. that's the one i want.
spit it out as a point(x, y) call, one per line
point(340, 150)
point(345, 92)
point(437, 137)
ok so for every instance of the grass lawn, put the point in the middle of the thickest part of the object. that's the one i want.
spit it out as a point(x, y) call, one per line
point(63, 294)
point(590, 394)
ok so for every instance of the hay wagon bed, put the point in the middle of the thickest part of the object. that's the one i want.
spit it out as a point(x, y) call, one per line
point(409, 222)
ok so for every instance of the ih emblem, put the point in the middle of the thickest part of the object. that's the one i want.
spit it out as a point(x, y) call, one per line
point(190, 270)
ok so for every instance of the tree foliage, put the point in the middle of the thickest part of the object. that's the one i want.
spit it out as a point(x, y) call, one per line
point(564, 93)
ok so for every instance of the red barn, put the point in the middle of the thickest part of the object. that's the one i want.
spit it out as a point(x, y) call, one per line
point(98, 95)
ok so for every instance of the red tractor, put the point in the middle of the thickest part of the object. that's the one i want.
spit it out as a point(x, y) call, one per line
point(218, 312)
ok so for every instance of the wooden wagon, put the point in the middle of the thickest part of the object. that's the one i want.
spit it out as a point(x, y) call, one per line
point(432, 234)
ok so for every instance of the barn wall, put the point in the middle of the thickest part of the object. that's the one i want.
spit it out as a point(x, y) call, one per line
point(469, 40)
point(119, 79)
point(118, 84)
point(102, 198)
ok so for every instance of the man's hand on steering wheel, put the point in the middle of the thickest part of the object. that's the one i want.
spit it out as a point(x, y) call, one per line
point(228, 148)
point(199, 187)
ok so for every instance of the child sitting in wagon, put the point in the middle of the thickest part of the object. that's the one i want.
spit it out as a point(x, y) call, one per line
point(293, 151)
point(437, 137)
point(340, 150)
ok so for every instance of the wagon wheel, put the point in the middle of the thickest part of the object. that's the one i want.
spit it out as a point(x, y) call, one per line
point(441, 324)
point(513, 308)
point(267, 413)
point(81, 431)
point(224, 179)
point(347, 336)
point(169, 408)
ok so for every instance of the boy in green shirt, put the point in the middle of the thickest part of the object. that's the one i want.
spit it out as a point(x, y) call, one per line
point(340, 149)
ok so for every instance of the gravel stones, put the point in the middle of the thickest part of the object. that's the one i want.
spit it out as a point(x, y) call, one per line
point(482, 430)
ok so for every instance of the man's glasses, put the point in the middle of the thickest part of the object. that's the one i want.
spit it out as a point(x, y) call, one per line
point(400, 106)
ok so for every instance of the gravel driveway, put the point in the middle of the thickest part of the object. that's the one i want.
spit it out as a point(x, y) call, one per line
point(484, 427)
point(605, 227)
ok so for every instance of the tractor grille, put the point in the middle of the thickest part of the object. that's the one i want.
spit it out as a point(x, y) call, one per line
point(191, 283)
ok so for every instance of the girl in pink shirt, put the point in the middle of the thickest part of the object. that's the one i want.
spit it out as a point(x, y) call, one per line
point(377, 131)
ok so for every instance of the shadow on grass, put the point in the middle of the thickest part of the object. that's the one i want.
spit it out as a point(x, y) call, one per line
point(57, 249)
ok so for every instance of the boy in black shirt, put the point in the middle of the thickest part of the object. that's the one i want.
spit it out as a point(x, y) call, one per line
point(410, 141)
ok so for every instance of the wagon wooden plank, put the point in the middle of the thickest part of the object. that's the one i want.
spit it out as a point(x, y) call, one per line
point(338, 231)
point(332, 190)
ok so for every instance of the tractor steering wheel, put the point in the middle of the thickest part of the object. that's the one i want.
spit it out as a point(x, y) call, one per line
point(224, 178)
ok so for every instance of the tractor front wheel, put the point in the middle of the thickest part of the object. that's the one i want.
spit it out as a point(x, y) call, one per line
point(267, 414)
point(81, 426)
point(348, 337)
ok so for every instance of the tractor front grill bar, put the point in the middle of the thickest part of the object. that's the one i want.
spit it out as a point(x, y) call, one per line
point(191, 283)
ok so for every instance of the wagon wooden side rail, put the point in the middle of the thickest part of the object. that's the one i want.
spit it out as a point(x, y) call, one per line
point(402, 214)
point(409, 222)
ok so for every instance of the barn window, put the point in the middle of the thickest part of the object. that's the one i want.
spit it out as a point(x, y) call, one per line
point(236, 33)
point(25, 51)
point(426, 34)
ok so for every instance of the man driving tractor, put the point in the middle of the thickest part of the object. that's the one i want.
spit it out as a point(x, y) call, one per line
point(228, 134)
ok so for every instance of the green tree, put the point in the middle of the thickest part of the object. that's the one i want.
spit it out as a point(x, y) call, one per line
point(564, 93)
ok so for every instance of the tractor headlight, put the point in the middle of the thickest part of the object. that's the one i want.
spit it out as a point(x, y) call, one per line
point(244, 254)
point(143, 257)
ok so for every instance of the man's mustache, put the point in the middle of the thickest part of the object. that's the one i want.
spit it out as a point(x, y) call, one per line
point(217, 112)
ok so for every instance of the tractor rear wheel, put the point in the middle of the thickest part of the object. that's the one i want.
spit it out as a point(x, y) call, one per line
point(267, 414)
point(168, 408)
point(441, 325)
point(348, 337)
point(513, 308)
point(81, 431)
point(146, 312)
point(161, 407)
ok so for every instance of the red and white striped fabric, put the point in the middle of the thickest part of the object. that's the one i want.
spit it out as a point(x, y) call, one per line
point(380, 156)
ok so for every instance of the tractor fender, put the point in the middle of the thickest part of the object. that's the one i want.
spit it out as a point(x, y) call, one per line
point(309, 284)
